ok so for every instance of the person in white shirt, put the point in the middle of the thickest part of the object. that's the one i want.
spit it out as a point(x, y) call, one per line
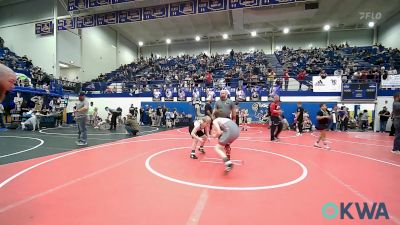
point(338, 72)
point(18, 102)
point(199, 130)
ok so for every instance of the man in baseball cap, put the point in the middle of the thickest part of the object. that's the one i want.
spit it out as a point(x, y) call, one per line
point(82, 108)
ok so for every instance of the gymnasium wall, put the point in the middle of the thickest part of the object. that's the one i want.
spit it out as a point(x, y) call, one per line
point(69, 47)
point(17, 28)
point(389, 32)
point(95, 50)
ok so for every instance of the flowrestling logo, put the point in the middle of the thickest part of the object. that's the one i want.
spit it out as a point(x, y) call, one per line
point(355, 210)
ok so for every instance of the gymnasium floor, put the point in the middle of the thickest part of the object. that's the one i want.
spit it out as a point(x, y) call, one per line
point(151, 180)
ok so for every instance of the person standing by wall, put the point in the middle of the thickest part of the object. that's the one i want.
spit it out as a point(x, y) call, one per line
point(364, 120)
point(226, 106)
point(396, 122)
point(208, 108)
point(81, 111)
point(142, 114)
point(159, 114)
point(276, 121)
point(333, 125)
point(286, 78)
point(299, 118)
point(384, 116)
point(90, 113)
point(323, 117)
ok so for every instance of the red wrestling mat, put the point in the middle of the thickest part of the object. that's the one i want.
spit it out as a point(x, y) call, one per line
point(151, 180)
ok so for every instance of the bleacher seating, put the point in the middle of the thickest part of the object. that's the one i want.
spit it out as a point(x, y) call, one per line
point(34, 80)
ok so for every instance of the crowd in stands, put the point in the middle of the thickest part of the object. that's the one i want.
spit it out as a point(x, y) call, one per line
point(354, 64)
point(217, 70)
point(235, 70)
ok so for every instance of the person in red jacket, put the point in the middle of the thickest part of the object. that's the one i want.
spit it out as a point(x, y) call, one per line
point(286, 78)
point(209, 79)
point(276, 120)
point(301, 77)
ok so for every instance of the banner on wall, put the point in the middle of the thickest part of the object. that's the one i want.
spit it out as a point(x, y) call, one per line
point(196, 94)
point(65, 24)
point(157, 94)
point(359, 91)
point(106, 18)
point(392, 81)
point(44, 28)
point(169, 95)
point(155, 12)
point(205, 6)
point(121, 1)
point(240, 95)
point(97, 3)
point(182, 8)
point(274, 2)
point(86, 21)
point(328, 84)
point(128, 16)
point(77, 5)
point(238, 4)
point(257, 110)
point(181, 95)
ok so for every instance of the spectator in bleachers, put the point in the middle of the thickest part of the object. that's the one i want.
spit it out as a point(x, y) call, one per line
point(323, 74)
point(286, 78)
point(338, 72)
point(232, 54)
point(209, 79)
point(270, 77)
point(301, 76)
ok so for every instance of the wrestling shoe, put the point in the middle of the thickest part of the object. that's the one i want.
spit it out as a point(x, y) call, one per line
point(201, 149)
point(228, 166)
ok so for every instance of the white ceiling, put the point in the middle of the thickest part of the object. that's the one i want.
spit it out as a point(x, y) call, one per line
point(340, 14)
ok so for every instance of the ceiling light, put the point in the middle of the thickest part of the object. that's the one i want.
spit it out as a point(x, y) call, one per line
point(225, 36)
point(254, 33)
point(286, 30)
point(371, 24)
point(327, 27)
point(197, 38)
point(62, 65)
point(141, 43)
point(168, 41)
